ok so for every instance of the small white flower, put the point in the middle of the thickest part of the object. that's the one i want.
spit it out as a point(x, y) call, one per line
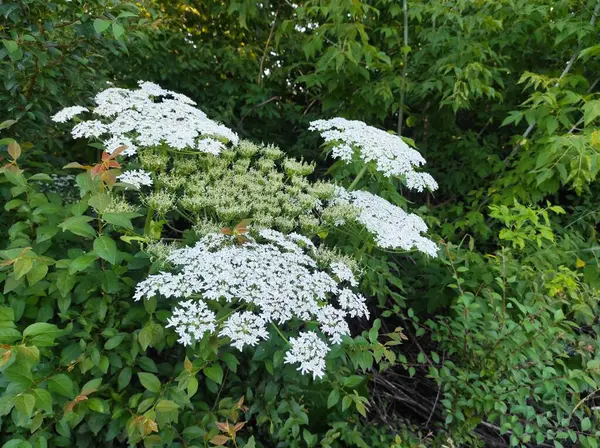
point(116, 141)
point(333, 323)
point(137, 178)
point(309, 351)
point(245, 328)
point(67, 113)
point(91, 128)
point(392, 156)
point(343, 273)
point(391, 226)
point(191, 320)
point(355, 305)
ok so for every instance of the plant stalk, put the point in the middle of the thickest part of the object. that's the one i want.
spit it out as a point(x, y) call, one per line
point(358, 177)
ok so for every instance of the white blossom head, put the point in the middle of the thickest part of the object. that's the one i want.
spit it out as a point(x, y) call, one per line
point(274, 275)
point(149, 116)
point(68, 113)
point(191, 319)
point(308, 350)
point(137, 178)
point(245, 328)
point(391, 155)
point(391, 227)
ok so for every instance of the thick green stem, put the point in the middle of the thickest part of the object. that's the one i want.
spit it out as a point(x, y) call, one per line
point(358, 178)
point(148, 221)
point(280, 333)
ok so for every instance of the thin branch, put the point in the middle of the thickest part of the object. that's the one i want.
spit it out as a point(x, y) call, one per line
point(404, 64)
point(273, 98)
point(262, 60)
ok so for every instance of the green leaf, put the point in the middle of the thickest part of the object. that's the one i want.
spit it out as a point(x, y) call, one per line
point(192, 387)
point(106, 248)
point(37, 273)
point(62, 385)
point(7, 123)
point(120, 219)
point(22, 266)
point(586, 424)
point(43, 399)
point(193, 432)
point(101, 25)
point(6, 314)
point(97, 405)
point(25, 404)
point(9, 335)
point(10, 45)
point(44, 233)
point(79, 226)
point(82, 262)
point(114, 342)
point(346, 402)
point(591, 111)
point(65, 282)
point(334, 397)
point(167, 411)
point(118, 29)
point(214, 372)
point(149, 381)
point(19, 374)
point(124, 378)
point(41, 328)
point(91, 386)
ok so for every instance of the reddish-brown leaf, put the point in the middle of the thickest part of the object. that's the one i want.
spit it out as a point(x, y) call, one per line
point(14, 149)
point(223, 426)
point(219, 440)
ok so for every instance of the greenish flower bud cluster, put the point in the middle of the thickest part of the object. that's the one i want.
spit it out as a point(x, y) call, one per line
point(248, 181)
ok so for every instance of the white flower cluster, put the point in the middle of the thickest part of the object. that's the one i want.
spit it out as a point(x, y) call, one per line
point(393, 157)
point(191, 319)
point(245, 328)
point(67, 113)
point(137, 178)
point(309, 351)
point(391, 226)
point(278, 279)
point(149, 116)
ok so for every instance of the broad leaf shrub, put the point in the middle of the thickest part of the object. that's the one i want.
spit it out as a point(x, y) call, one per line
point(55, 52)
point(127, 309)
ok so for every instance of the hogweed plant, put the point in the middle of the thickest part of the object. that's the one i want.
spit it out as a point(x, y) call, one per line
point(237, 250)
point(274, 276)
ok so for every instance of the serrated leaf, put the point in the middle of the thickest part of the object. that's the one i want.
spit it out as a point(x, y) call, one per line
point(591, 111)
point(79, 226)
point(106, 248)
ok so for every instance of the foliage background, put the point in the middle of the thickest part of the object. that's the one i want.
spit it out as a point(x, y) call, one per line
point(502, 100)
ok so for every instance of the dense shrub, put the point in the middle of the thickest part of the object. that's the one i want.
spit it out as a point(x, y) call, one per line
point(494, 342)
